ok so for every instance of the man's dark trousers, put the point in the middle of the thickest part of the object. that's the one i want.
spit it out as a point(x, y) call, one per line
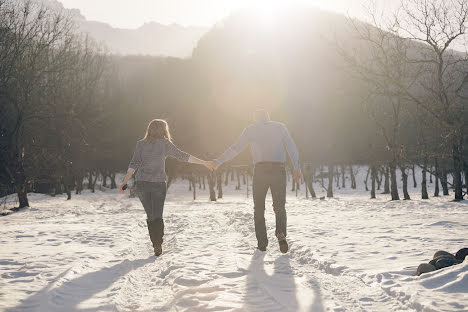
point(269, 175)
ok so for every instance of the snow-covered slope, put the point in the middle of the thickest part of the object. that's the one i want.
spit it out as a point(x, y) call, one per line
point(349, 253)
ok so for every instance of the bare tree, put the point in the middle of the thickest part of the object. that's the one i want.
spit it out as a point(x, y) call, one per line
point(47, 74)
point(33, 40)
point(411, 57)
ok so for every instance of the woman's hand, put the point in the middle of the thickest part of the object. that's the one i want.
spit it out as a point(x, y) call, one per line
point(122, 191)
point(125, 180)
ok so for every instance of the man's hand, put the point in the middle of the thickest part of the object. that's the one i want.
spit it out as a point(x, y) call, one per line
point(297, 176)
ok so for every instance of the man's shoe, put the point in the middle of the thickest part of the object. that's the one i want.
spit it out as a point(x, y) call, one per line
point(157, 250)
point(283, 244)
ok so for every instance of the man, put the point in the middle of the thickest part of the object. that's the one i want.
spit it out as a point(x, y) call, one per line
point(267, 140)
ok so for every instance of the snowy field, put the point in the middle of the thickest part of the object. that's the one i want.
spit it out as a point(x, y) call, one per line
point(349, 253)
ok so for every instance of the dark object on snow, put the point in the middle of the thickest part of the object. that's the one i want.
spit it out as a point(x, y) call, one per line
point(445, 261)
point(461, 254)
point(125, 187)
point(441, 253)
point(442, 259)
point(425, 268)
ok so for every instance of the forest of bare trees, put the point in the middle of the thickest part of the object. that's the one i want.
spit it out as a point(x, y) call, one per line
point(411, 67)
point(52, 95)
point(388, 96)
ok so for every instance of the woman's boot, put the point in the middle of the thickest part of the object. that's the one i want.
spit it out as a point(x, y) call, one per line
point(158, 236)
point(156, 232)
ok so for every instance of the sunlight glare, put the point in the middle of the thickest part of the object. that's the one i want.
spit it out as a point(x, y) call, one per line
point(268, 11)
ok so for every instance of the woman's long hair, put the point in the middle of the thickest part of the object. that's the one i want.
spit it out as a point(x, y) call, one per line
point(157, 129)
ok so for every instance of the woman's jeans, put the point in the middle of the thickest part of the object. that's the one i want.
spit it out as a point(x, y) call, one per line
point(152, 195)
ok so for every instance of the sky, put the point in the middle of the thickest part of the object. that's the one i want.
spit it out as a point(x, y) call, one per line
point(134, 13)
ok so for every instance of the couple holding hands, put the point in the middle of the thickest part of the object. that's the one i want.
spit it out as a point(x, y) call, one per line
point(267, 139)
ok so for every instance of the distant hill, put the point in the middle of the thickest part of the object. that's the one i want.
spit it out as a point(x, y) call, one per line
point(150, 39)
point(292, 67)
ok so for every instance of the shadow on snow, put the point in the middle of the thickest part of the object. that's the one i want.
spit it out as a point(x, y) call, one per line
point(69, 294)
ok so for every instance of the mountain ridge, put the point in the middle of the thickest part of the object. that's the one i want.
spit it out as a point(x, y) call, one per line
point(151, 38)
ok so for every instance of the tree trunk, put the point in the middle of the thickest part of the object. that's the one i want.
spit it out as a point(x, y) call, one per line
point(414, 178)
point(22, 197)
point(443, 182)
point(321, 174)
point(79, 184)
point(382, 174)
point(424, 194)
point(67, 190)
point(310, 182)
point(21, 189)
point(243, 178)
point(305, 177)
point(219, 182)
point(247, 186)
point(465, 165)
point(367, 178)
point(238, 180)
point(387, 180)
point(353, 177)
point(94, 183)
point(293, 185)
point(337, 177)
point(374, 175)
point(404, 178)
point(90, 181)
point(436, 171)
point(112, 179)
point(393, 182)
point(457, 172)
point(211, 185)
point(194, 187)
point(104, 179)
point(343, 178)
point(203, 181)
point(430, 175)
point(226, 180)
point(330, 181)
point(379, 180)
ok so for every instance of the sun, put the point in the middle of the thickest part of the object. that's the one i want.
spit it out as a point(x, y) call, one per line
point(267, 11)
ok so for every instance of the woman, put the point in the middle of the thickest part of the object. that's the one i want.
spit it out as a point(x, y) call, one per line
point(149, 164)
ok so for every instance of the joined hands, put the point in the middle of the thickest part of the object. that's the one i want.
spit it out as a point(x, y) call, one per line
point(211, 165)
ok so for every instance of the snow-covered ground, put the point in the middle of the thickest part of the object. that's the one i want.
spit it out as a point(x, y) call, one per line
point(349, 253)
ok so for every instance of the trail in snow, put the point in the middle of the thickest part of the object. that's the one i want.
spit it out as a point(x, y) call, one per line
point(347, 254)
